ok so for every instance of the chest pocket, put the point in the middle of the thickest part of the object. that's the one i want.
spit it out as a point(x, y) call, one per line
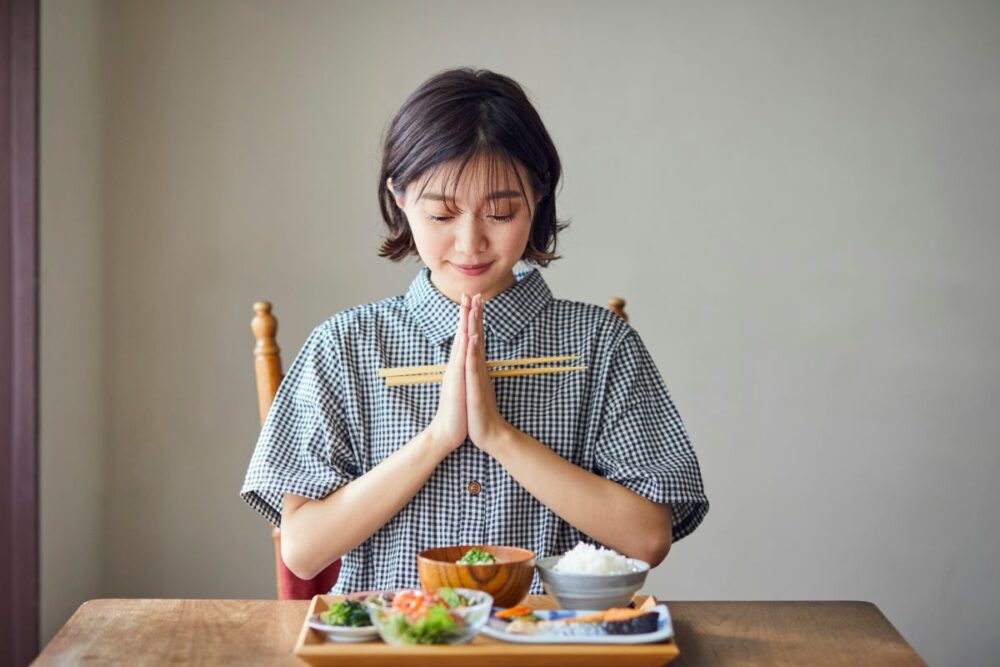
point(550, 408)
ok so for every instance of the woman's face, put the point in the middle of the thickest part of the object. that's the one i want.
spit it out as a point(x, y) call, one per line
point(472, 243)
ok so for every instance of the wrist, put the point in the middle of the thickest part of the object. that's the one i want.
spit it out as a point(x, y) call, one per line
point(501, 439)
point(436, 445)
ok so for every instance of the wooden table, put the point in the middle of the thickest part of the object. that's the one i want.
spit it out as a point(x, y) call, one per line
point(263, 632)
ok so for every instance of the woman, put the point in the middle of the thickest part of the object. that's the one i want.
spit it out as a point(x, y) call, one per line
point(352, 468)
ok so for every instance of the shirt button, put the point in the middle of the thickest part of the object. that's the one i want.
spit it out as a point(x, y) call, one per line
point(474, 488)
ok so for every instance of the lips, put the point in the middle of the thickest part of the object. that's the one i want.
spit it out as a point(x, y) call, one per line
point(471, 269)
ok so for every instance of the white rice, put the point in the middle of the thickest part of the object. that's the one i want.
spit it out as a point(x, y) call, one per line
point(588, 559)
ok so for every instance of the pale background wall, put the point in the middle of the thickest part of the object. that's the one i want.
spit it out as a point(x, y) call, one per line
point(72, 457)
point(797, 199)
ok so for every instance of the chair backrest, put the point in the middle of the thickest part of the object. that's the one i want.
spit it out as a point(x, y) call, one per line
point(616, 305)
point(267, 368)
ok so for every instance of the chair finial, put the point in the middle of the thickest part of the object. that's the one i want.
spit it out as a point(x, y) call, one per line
point(264, 325)
point(617, 306)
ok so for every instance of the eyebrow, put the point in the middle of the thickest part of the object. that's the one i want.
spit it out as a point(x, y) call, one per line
point(500, 194)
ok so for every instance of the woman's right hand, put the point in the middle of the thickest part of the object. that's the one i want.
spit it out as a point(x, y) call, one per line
point(450, 425)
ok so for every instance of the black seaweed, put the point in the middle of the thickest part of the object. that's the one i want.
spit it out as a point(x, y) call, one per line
point(639, 625)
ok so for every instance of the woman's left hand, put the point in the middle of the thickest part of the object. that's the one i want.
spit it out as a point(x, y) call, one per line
point(485, 421)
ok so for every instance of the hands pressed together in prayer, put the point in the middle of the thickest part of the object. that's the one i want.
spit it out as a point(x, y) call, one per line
point(468, 405)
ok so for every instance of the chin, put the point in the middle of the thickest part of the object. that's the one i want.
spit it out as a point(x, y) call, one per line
point(471, 285)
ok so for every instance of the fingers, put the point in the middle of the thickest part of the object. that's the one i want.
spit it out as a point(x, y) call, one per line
point(458, 348)
point(472, 341)
point(475, 330)
point(473, 377)
point(472, 316)
point(470, 367)
point(473, 348)
point(463, 313)
point(475, 324)
point(475, 358)
point(479, 324)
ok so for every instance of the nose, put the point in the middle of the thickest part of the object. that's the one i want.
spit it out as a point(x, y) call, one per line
point(469, 237)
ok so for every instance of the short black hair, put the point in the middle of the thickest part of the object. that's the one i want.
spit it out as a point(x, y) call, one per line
point(457, 116)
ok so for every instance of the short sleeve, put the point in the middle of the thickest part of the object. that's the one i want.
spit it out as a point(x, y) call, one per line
point(643, 444)
point(304, 447)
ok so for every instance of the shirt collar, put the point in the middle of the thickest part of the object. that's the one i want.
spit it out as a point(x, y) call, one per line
point(505, 315)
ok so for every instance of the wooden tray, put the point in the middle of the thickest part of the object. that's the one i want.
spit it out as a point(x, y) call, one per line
point(313, 648)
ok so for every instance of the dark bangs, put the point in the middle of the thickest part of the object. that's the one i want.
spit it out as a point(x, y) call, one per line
point(499, 165)
point(454, 120)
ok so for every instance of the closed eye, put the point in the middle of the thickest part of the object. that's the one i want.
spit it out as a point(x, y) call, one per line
point(446, 218)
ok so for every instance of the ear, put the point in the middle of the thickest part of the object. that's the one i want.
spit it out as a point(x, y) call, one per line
point(542, 190)
point(397, 197)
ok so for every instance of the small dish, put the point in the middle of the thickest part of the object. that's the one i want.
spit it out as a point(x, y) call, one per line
point(343, 633)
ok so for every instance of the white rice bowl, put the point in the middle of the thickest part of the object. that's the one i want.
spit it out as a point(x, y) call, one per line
point(588, 559)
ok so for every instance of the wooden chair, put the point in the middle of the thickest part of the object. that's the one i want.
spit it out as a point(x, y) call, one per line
point(267, 367)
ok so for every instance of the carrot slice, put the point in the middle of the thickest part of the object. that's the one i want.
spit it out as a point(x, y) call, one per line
point(623, 614)
point(514, 612)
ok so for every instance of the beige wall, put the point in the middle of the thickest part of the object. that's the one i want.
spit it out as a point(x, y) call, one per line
point(798, 200)
point(72, 428)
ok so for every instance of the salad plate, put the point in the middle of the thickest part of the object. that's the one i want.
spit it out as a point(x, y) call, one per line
point(497, 628)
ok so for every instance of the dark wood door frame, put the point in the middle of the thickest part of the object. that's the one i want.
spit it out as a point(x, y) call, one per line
point(19, 587)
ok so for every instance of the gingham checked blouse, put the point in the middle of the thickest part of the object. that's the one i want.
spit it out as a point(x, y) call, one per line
point(333, 419)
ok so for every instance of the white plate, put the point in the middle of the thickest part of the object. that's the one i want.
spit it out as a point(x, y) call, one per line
point(496, 628)
point(341, 633)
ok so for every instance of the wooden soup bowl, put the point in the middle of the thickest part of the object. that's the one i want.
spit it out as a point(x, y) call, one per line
point(507, 580)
